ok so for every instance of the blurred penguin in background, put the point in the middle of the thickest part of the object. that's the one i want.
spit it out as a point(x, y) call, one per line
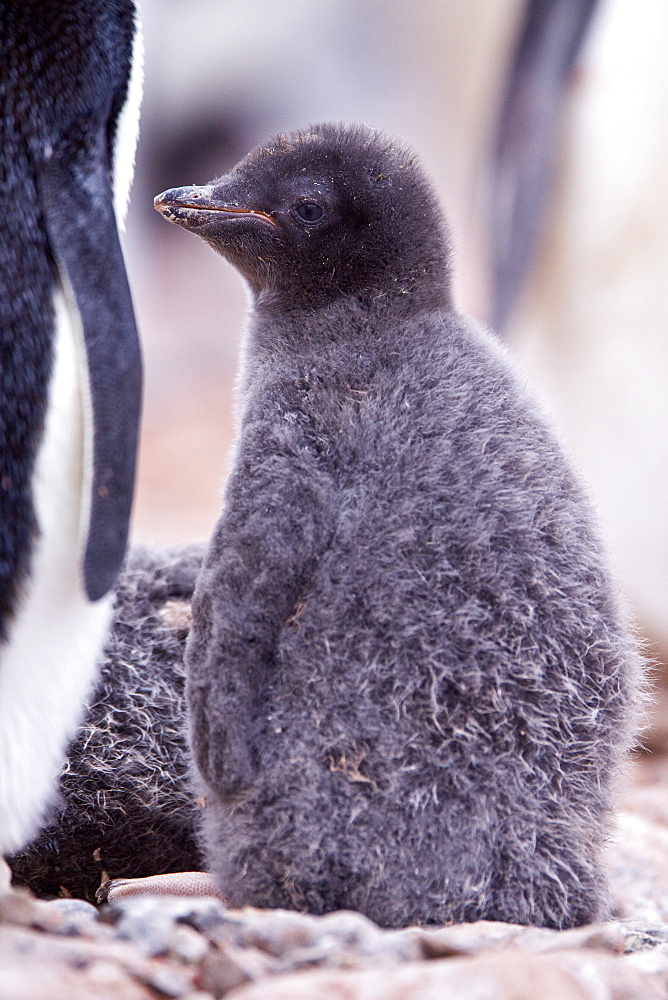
point(588, 314)
point(70, 373)
point(550, 37)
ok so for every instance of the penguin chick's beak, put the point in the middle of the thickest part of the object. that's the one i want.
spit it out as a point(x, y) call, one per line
point(192, 207)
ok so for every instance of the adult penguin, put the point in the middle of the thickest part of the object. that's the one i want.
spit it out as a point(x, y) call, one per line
point(70, 379)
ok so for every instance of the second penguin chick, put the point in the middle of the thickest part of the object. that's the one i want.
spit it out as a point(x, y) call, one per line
point(409, 677)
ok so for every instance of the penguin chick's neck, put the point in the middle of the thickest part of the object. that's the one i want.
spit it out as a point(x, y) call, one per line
point(368, 310)
point(402, 290)
point(345, 344)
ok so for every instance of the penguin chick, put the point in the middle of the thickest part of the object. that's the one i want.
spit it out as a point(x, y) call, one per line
point(410, 679)
point(70, 377)
point(126, 803)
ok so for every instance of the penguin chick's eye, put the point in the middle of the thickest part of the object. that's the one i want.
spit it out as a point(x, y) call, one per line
point(309, 212)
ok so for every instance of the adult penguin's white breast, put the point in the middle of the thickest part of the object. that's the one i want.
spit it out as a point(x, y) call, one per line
point(57, 634)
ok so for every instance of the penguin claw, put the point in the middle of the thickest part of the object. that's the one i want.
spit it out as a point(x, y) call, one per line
point(172, 884)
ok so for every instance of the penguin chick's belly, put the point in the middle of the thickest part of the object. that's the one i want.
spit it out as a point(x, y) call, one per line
point(56, 637)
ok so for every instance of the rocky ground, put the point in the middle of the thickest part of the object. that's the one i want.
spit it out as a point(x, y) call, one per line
point(193, 949)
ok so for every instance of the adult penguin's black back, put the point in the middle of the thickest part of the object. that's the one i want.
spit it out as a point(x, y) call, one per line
point(409, 676)
point(70, 376)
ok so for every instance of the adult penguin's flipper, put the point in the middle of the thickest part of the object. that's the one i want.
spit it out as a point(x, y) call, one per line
point(79, 210)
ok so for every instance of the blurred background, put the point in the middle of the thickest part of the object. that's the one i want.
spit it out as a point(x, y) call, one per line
point(544, 126)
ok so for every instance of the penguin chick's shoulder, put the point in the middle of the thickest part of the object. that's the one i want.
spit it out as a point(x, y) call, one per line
point(410, 679)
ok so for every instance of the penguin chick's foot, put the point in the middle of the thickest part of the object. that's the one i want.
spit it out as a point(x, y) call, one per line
point(174, 884)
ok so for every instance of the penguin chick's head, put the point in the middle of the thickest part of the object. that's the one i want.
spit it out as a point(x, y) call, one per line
point(322, 212)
